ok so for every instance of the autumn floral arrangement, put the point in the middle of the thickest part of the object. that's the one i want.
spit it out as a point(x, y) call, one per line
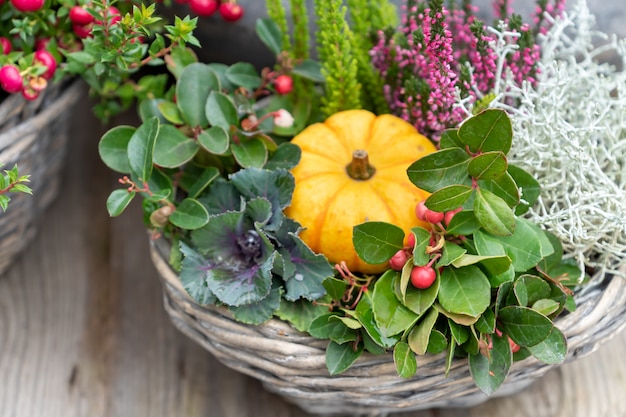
point(377, 197)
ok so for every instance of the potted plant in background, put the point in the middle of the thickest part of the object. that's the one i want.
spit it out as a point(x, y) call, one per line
point(46, 46)
point(380, 215)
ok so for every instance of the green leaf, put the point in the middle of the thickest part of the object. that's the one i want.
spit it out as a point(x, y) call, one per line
point(190, 214)
point(448, 198)
point(286, 156)
point(546, 306)
point(377, 242)
point(300, 313)
point(451, 252)
point(504, 187)
point(341, 357)
point(390, 315)
point(196, 82)
point(487, 322)
point(493, 214)
point(244, 74)
point(416, 300)
point(309, 69)
point(422, 240)
point(349, 322)
point(488, 165)
point(259, 312)
point(181, 58)
point(463, 223)
point(172, 148)
point(193, 276)
point(529, 289)
point(462, 319)
point(440, 169)
point(335, 288)
point(311, 269)
point(141, 148)
point(215, 140)
point(420, 334)
point(437, 342)
point(489, 373)
point(524, 325)
point(364, 313)
point(464, 291)
point(202, 181)
point(529, 187)
point(552, 350)
point(113, 148)
point(490, 130)
point(220, 110)
point(251, 153)
point(404, 358)
point(325, 328)
point(450, 139)
point(270, 34)
point(497, 264)
point(523, 247)
point(171, 112)
point(118, 201)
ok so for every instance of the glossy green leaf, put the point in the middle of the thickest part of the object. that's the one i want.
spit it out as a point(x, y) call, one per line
point(420, 334)
point(523, 247)
point(448, 198)
point(377, 242)
point(193, 276)
point(202, 181)
point(488, 165)
point(496, 264)
point(190, 214)
point(529, 187)
point(364, 313)
point(325, 328)
point(487, 322)
point(301, 313)
point(437, 342)
point(546, 306)
point(171, 112)
point(309, 69)
point(416, 300)
point(490, 373)
point(341, 357)
point(493, 214)
point(463, 223)
point(440, 169)
point(450, 139)
point(286, 156)
point(464, 291)
point(172, 148)
point(220, 110)
point(269, 33)
point(251, 153)
point(335, 288)
point(180, 58)
point(243, 74)
point(404, 358)
point(390, 315)
point(349, 322)
point(113, 148)
point(118, 200)
point(553, 350)
point(451, 252)
point(259, 312)
point(504, 187)
point(489, 130)
point(215, 139)
point(529, 289)
point(462, 319)
point(524, 325)
point(141, 149)
point(195, 84)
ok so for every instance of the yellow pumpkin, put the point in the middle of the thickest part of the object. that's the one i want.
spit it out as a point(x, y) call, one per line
point(353, 169)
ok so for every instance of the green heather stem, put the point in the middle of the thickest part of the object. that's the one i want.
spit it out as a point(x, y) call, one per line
point(339, 66)
point(300, 17)
point(276, 11)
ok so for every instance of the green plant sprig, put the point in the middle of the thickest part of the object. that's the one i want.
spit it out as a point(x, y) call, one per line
point(12, 182)
point(500, 279)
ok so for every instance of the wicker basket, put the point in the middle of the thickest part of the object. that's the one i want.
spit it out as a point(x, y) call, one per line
point(34, 136)
point(292, 364)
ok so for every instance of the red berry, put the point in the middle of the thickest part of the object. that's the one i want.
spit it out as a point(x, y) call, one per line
point(203, 7)
point(410, 240)
point(10, 79)
point(80, 16)
point(420, 211)
point(283, 84)
point(5, 43)
point(422, 277)
point(398, 260)
point(27, 5)
point(47, 60)
point(231, 12)
point(514, 346)
point(447, 217)
point(30, 94)
point(82, 31)
point(41, 43)
point(433, 216)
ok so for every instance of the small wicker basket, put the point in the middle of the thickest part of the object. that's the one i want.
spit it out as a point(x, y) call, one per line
point(292, 363)
point(33, 135)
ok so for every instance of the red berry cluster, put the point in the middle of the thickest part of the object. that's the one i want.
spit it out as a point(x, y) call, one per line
point(423, 276)
point(228, 9)
point(83, 21)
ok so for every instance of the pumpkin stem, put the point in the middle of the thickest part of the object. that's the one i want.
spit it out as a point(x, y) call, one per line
point(359, 168)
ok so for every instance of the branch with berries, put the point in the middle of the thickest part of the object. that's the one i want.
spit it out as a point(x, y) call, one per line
point(12, 182)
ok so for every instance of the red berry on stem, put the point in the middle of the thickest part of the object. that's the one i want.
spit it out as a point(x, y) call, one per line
point(433, 216)
point(10, 79)
point(447, 218)
point(82, 31)
point(514, 346)
point(80, 16)
point(422, 277)
point(5, 43)
point(283, 84)
point(47, 60)
point(27, 5)
point(420, 211)
point(231, 12)
point(410, 240)
point(398, 260)
point(203, 7)
point(30, 94)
